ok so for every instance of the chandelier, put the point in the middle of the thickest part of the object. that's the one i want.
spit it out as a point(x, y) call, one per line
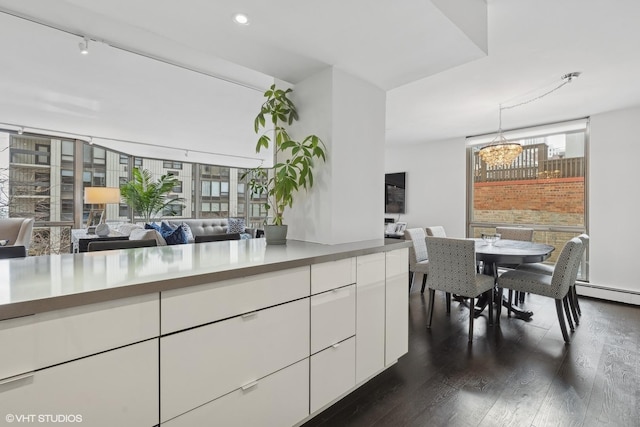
point(501, 152)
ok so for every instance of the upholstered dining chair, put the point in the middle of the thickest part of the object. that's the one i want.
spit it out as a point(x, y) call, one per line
point(418, 258)
point(541, 268)
point(7, 252)
point(515, 233)
point(556, 286)
point(436, 231)
point(452, 269)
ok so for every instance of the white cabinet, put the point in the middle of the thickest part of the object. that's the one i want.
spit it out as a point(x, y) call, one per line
point(114, 388)
point(331, 275)
point(18, 343)
point(280, 399)
point(333, 373)
point(333, 317)
point(201, 364)
point(370, 321)
point(198, 305)
point(397, 305)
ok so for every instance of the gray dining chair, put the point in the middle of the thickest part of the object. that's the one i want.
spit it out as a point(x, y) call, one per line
point(452, 269)
point(515, 233)
point(418, 257)
point(547, 269)
point(555, 286)
point(436, 231)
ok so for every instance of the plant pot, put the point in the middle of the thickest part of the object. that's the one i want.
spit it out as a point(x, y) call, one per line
point(275, 234)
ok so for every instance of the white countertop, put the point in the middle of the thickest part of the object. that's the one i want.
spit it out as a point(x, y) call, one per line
point(43, 283)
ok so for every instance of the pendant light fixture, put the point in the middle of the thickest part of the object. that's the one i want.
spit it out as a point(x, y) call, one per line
point(501, 152)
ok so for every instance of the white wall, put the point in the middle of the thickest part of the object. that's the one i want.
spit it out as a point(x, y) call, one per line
point(346, 202)
point(614, 201)
point(436, 184)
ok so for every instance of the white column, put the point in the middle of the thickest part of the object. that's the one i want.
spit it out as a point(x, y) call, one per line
point(346, 203)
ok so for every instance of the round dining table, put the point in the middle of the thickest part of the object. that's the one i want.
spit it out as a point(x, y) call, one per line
point(508, 253)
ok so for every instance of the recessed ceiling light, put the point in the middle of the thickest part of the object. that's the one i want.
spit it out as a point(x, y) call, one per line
point(241, 18)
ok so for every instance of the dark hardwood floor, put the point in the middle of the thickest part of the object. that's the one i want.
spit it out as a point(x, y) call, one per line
point(515, 374)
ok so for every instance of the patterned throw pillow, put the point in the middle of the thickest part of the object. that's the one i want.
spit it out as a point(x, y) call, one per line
point(236, 225)
point(187, 232)
point(173, 236)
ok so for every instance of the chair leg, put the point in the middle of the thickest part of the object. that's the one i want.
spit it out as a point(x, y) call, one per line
point(575, 299)
point(411, 274)
point(565, 302)
point(521, 297)
point(490, 306)
point(424, 282)
point(447, 296)
point(499, 305)
point(572, 304)
point(510, 297)
point(472, 307)
point(563, 327)
point(432, 294)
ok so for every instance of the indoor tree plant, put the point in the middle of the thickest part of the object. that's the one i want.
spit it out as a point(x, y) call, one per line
point(294, 159)
point(147, 198)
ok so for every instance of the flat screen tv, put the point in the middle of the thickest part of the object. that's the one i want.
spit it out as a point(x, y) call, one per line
point(394, 192)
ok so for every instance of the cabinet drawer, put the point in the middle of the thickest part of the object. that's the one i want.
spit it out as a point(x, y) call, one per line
point(18, 341)
point(332, 373)
point(198, 305)
point(280, 399)
point(201, 364)
point(370, 320)
point(71, 333)
point(333, 317)
point(334, 274)
point(114, 388)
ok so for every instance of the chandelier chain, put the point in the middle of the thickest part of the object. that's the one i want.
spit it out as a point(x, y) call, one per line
point(566, 81)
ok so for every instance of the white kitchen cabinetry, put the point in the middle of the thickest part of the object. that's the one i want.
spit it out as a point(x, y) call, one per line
point(114, 388)
point(370, 320)
point(333, 373)
point(333, 317)
point(331, 275)
point(280, 399)
point(397, 305)
point(204, 363)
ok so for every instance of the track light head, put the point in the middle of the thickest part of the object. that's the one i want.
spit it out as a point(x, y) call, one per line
point(84, 46)
point(20, 130)
point(570, 76)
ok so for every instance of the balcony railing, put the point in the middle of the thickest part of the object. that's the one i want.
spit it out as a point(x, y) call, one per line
point(532, 163)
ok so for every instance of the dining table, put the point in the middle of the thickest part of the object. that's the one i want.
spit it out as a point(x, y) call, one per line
point(492, 255)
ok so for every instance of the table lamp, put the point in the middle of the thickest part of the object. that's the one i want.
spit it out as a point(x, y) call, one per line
point(100, 196)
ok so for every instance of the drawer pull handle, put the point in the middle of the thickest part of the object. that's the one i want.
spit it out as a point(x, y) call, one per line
point(249, 315)
point(336, 345)
point(17, 378)
point(249, 385)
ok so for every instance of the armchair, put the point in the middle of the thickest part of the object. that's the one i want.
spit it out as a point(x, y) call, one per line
point(17, 231)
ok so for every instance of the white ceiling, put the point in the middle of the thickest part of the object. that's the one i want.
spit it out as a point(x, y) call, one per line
point(446, 65)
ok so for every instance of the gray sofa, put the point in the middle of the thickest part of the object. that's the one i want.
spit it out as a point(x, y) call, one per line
point(199, 227)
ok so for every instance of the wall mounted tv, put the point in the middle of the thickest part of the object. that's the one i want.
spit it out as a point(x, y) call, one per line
point(394, 192)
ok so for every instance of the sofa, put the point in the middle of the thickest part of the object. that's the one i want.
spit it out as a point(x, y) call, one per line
point(196, 227)
point(17, 231)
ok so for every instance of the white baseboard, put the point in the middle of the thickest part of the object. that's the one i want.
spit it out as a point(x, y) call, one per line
point(610, 294)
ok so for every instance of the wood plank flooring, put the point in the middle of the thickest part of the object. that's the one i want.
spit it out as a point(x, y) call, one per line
point(515, 374)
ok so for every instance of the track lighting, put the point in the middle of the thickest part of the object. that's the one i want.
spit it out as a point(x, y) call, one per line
point(84, 46)
point(20, 131)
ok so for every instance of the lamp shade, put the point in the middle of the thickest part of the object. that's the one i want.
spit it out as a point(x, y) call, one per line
point(101, 195)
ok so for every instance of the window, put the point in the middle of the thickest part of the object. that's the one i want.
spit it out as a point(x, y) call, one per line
point(124, 159)
point(43, 159)
point(544, 188)
point(137, 162)
point(169, 164)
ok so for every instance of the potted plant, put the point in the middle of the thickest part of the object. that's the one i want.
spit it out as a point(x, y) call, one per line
point(294, 160)
point(147, 198)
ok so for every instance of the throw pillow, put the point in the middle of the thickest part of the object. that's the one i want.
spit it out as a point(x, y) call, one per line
point(187, 232)
point(235, 225)
point(175, 237)
point(140, 234)
point(152, 226)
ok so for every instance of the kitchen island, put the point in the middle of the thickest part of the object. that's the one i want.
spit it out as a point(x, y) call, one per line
point(235, 332)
